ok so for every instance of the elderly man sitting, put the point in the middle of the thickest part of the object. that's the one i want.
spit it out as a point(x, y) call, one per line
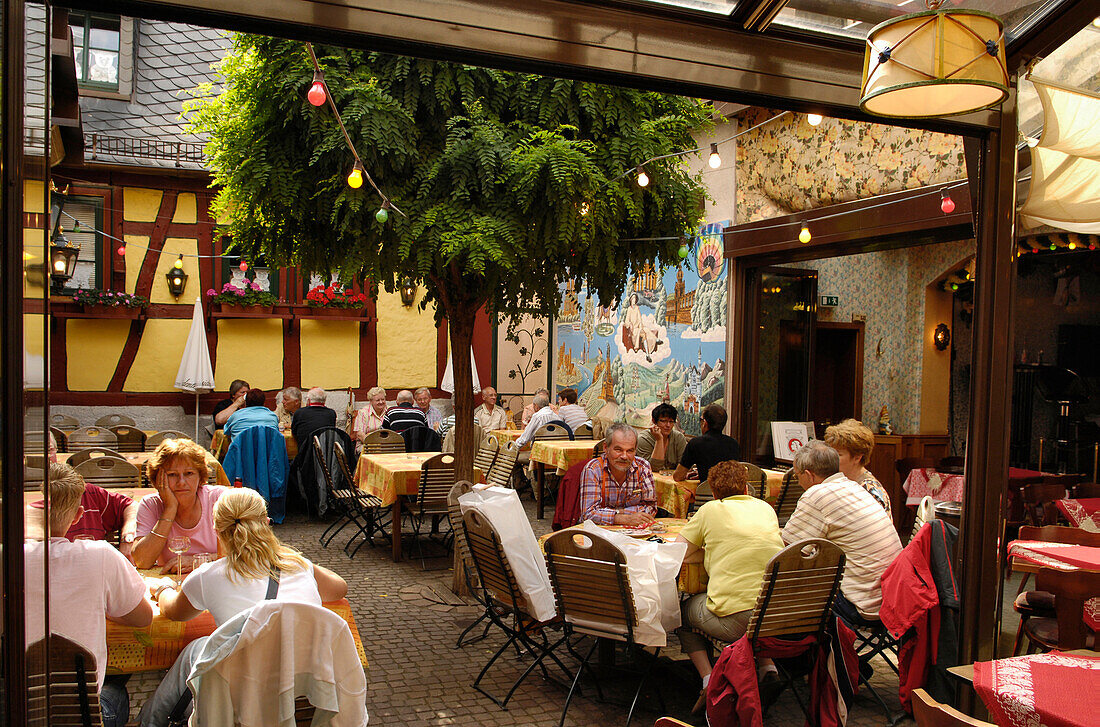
point(617, 487)
point(544, 414)
point(489, 416)
point(836, 508)
point(404, 414)
point(423, 399)
point(287, 402)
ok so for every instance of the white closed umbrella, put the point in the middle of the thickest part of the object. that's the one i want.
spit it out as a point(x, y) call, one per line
point(448, 382)
point(196, 374)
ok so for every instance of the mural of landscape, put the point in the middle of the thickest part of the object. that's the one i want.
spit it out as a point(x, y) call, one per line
point(665, 340)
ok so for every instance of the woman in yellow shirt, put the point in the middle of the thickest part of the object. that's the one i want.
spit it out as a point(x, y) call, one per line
point(734, 536)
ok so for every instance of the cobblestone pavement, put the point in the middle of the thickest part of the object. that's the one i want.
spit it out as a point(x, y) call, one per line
point(409, 620)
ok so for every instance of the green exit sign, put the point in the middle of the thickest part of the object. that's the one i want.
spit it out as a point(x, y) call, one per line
point(830, 301)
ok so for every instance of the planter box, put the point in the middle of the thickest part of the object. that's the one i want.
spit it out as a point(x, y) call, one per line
point(248, 311)
point(328, 312)
point(111, 311)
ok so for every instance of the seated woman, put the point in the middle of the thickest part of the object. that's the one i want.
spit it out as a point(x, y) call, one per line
point(183, 505)
point(230, 585)
point(734, 536)
point(662, 444)
point(853, 442)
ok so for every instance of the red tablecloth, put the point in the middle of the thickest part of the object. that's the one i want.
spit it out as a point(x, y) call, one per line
point(1029, 691)
point(942, 487)
point(1063, 556)
point(1083, 513)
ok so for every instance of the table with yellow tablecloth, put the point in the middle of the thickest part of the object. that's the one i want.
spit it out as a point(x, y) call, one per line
point(506, 435)
point(560, 455)
point(672, 496)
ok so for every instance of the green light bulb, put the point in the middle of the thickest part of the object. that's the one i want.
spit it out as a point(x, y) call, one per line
point(382, 215)
point(683, 251)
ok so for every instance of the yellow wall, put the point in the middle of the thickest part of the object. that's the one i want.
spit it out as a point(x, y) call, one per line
point(34, 362)
point(406, 343)
point(935, 389)
point(140, 205)
point(330, 354)
point(158, 355)
point(173, 246)
point(134, 257)
point(186, 209)
point(249, 349)
point(92, 349)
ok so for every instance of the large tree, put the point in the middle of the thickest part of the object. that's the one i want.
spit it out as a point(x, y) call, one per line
point(509, 183)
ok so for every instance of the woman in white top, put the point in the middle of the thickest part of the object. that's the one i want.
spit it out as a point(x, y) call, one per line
point(235, 583)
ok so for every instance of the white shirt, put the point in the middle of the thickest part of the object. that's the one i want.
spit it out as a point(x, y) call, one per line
point(573, 415)
point(543, 416)
point(842, 511)
point(209, 588)
point(89, 580)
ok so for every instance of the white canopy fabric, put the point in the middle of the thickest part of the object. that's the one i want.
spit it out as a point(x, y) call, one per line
point(1065, 166)
point(196, 375)
point(448, 382)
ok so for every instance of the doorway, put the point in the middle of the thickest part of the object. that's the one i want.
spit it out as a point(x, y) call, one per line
point(837, 363)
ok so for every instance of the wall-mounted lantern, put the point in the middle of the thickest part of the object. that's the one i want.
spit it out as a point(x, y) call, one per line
point(63, 254)
point(177, 280)
point(408, 292)
point(942, 337)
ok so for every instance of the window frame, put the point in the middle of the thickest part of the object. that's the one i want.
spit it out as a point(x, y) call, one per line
point(98, 205)
point(84, 47)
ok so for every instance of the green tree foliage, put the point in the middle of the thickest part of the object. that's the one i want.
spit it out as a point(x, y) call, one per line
point(510, 183)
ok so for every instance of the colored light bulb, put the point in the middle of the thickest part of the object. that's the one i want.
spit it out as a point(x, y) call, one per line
point(121, 250)
point(946, 203)
point(355, 178)
point(382, 215)
point(643, 178)
point(178, 264)
point(243, 266)
point(683, 252)
point(316, 94)
point(804, 236)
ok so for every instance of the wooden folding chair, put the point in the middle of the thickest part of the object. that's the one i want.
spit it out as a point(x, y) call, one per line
point(115, 420)
point(486, 455)
point(71, 671)
point(109, 472)
point(129, 438)
point(64, 422)
point(353, 507)
point(370, 505)
point(500, 474)
point(787, 500)
point(61, 437)
point(703, 495)
point(930, 713)
point(584, 431)
point(153, 440)
point(592, 587)
point(437, 477)
point(33, 477)
point(92, 453)
point(87, 437)
point(757, 481)
point(505, 602)
point(551, 430)
point(469, 572)
point(926, 512)
point(383, 441)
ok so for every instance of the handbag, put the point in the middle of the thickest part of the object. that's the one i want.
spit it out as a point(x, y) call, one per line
point(181, 713)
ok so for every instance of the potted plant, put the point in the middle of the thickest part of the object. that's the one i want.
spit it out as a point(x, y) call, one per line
point(243, 295)
point(110, 303)
point(334, 300)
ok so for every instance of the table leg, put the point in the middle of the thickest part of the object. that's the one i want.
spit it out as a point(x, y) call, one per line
point(540, 479)
point(395, 528)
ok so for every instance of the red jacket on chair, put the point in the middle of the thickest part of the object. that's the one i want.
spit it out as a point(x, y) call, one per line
point(568, 509)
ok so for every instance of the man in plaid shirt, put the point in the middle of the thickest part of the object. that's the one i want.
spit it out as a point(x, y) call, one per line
point(617, 487)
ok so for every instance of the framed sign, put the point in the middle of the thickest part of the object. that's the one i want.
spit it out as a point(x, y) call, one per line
point(788, 438)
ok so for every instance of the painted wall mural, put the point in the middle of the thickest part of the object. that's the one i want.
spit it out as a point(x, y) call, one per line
point(665, 340)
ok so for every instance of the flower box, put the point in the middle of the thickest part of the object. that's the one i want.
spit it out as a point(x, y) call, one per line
point(111, 311)
point(230, 310)
point(331, 312)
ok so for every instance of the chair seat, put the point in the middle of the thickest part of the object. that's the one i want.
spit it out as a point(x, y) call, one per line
point(1034, 603)
point(1044, 632)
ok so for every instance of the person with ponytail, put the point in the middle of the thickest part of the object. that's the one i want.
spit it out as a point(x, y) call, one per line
point(225, 587)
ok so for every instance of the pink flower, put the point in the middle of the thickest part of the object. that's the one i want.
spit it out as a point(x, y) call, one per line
point(211, 292)
point(238, 292)
point(255, 286)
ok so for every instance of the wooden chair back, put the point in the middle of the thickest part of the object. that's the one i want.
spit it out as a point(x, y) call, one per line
point(926, 512)
point(500, 474)
point(61, 437)
point(109, 472)
point(92, 453)
point(115, 420)
point(33, 477)
point(1039, 501)
point(71, 670)
point(219, 444)
point(437, 477)
point(303, 712)
point(591, 584)
point(130, 439)
point(486, 455)
point(322, 463)
point(1086, 489)
point(703, 495)
point(458, 525)
point(87, 437)
point(787, 500)
point(758, 481)
point(163, 435)
point(1067, 481)
point(490, 560)
point(383, 441)
point(1071, 589)
point(34, 442)
point(584, 431)
point(341, 460)
point(1060, 534)
point(551, 430)
point(930, 713)
point(36, 461)
point(64, 422)
point(800, 584)
point(954, 462)
point(906, 464)
point(601, 445)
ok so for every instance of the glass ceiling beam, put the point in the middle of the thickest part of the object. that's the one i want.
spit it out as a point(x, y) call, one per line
point(618, 44)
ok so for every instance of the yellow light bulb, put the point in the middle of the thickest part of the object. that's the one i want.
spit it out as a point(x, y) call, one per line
point(355, 178)
point(178, 264)
point(1073, 246)
point(804, 235)
point(643, 178)
point(814, 119)
point(59, 266)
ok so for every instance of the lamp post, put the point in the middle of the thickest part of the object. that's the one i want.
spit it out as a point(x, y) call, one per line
point(63, 255)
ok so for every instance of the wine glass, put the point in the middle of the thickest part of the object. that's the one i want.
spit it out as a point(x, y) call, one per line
point(179, 544)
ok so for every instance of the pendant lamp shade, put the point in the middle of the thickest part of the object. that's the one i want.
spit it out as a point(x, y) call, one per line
point(934, 63)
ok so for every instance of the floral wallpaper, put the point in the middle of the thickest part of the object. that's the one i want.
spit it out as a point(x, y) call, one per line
point(789, 166)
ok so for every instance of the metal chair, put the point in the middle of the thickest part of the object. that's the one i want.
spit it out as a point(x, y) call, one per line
point(370, 505)
point(88, 437)
point(486, 455)
point(437, 477)
point(500, 473)
point(109, 472)
point(354, 507)
point(383, 441)
point(92, 453)
point(115, 420)
point(757, 480)
point(930, 713)
point(61, 438)
point(73, 697)
point(153, 440)
point(926, 512)
point(787, 500)
point(504, 603)
point(592, 588)
point(469, 572)
point(64, 422)
point(129, 438)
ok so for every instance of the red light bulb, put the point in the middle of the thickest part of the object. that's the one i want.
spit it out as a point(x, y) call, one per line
point(946, 203)
point(243, 266)
point(316, 93)
point(121, 250)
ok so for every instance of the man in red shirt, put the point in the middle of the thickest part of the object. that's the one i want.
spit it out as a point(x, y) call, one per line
point(105, 511)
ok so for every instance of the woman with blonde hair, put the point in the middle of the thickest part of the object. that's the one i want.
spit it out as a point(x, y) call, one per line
point(854, 441)
point(255, 561)
point(182, 505)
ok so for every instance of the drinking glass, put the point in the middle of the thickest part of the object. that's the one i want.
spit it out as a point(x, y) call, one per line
point(179, 544)
point(199, 559)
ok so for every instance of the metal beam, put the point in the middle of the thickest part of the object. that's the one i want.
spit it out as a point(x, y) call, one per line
point(624, 45)
point(1050, 30)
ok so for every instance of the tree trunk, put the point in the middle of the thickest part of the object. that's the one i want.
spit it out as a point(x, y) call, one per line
point(461, 323)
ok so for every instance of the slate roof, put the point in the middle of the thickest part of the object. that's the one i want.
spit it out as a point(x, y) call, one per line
point(34, 79)
point(169, 60)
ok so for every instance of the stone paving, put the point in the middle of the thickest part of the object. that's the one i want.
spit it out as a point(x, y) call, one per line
point(409, 620)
